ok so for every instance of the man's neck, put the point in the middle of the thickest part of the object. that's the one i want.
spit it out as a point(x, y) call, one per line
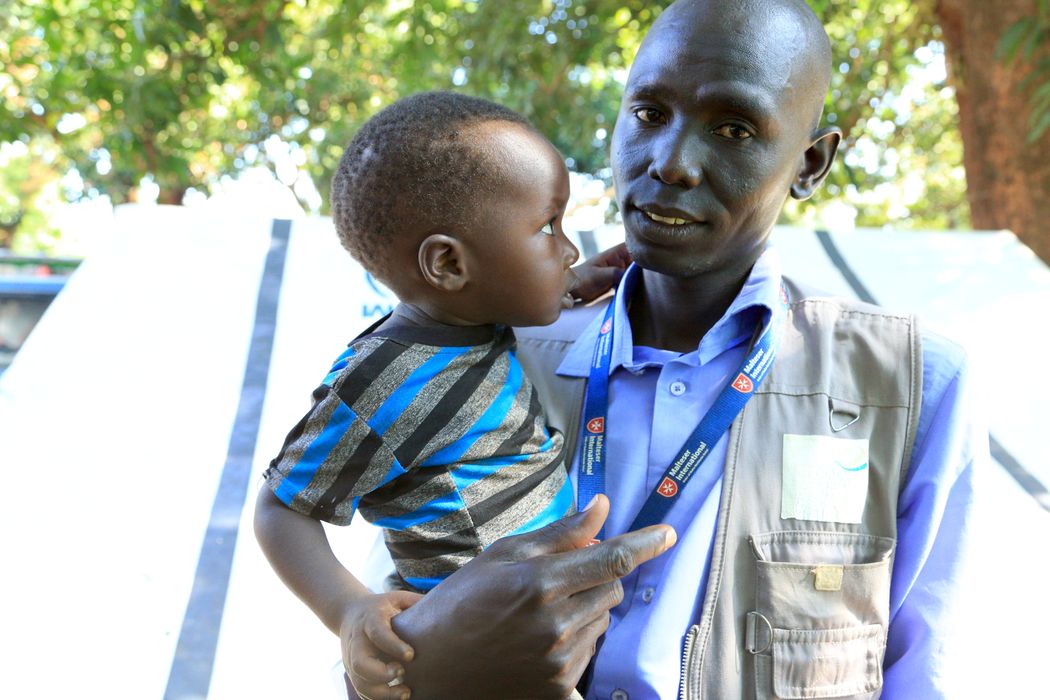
point(675, 313)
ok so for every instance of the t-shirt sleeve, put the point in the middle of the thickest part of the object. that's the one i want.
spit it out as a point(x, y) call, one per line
point(329, 460)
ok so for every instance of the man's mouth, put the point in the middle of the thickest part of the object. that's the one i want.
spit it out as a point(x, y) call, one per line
point(668, 218)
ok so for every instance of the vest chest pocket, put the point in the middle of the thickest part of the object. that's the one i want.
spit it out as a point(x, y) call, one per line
point(818, 628)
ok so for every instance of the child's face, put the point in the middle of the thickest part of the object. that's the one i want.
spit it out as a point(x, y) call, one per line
point(518, 254)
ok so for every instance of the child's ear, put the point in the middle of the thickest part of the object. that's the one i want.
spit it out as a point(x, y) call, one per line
point(442, 262)
point(816, 162)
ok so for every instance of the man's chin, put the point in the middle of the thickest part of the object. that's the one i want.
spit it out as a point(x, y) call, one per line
point(672, 262)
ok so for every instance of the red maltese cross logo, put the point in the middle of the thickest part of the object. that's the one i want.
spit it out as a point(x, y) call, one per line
point(743, 384)
point(596, 425)
point(668, 488)
point(606, 327)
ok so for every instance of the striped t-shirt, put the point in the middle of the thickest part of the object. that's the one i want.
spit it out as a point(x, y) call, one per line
point(440, 441)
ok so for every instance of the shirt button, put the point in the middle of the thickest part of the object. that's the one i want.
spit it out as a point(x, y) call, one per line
point(619, 694)
point(647, 594)
point(677, 388)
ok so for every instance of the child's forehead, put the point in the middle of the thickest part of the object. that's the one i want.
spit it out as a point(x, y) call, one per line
point(509, 139)
point(517, 149)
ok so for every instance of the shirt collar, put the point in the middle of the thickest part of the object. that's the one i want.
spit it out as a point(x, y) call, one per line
point(754, 304)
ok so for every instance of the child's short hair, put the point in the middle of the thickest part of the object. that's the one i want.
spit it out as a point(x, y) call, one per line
point(410, 171)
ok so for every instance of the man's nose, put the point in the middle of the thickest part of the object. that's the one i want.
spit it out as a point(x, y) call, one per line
point(676, 160)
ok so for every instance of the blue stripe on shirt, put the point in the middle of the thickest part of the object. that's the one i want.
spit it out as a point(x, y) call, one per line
point(490, 420)
point(425, 584)
point(441, 506)
point(338, 366)
point(471, 472)
point(406, 393)
point(556, 509)
point(299, 477)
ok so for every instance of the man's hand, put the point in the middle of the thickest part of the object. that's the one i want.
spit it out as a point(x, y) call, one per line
point(521, 620)
point(600, 273)
point(372, 654)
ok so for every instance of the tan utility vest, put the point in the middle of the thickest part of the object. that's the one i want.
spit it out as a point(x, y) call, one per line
point(795, 607)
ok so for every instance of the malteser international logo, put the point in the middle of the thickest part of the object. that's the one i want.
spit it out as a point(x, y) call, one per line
point(606, 327)
point(743, 384)
point(596, 426)
point(668, 488)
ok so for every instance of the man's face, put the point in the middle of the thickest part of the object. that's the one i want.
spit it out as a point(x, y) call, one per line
point(710, 136)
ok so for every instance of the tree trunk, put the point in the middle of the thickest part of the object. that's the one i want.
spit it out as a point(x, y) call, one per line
point(1007, 177)
point(171, 195)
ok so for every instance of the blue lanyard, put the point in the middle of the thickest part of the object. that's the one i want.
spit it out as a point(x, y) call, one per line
point(714, 424)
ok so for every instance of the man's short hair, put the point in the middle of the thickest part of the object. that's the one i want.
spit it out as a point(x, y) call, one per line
point(413, 170)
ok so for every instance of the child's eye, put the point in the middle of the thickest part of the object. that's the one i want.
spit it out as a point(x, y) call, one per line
point(548, 228)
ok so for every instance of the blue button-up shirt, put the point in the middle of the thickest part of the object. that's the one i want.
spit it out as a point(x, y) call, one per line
point(657, 397)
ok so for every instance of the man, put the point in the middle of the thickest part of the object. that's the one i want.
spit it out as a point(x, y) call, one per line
point(818, 537)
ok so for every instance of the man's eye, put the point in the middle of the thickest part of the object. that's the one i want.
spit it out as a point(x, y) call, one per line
point(648, 115)
point(732, 131)
point(548, 228)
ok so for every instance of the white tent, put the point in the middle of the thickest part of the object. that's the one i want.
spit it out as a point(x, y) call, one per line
point(139, 414)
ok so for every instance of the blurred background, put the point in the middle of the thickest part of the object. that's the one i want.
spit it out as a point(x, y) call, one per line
point(944, 104)
point(147, 148)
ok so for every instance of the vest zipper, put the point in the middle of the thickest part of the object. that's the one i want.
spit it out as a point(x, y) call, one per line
point(687, 658)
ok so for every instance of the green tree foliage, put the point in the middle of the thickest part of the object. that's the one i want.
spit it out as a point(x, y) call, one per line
point(187, 90)
point(29, 189)
point(1027, 41)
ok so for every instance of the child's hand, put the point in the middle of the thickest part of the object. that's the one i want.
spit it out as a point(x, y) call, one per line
point(600, 273)
point(372, 653)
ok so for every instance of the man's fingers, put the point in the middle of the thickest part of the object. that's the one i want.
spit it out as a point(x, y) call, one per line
point(617, 256)
point(567, 534)
point(596, 281)
point(572, 572)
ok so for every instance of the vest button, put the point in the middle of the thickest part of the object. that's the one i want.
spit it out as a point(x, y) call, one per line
point(647, 594)
point(677, 388)
point(619, 694)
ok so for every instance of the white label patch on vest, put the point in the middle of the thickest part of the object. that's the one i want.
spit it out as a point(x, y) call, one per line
point(825, 479)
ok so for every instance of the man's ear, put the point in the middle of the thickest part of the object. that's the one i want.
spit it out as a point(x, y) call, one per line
point(442, 262)
point(816, 162)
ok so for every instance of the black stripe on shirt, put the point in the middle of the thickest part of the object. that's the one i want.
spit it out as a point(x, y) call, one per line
point(368, 370)
point(448, 406)
point(480, 513)
point(354, 466)
point(297, 432)
point(465, 539)
point(514, 444)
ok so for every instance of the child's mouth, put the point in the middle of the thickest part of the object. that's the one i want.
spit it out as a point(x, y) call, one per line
point(567, 299)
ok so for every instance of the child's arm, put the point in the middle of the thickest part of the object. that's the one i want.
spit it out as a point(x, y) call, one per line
point(600, 273)
point(299, 552)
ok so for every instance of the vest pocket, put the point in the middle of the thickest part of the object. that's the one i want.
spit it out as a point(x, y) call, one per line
point(818, 628)
point(827, 663)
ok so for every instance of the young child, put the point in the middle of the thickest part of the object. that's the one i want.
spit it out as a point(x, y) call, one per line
point(427, 424)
